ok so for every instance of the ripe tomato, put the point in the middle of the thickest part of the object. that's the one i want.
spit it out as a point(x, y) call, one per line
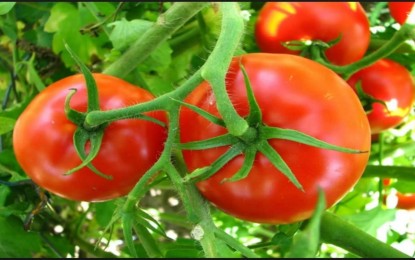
point(43, 140)
point(287, 21)
point(400, 10)
point(405, 201)
point(293, 93)
point(391, 82)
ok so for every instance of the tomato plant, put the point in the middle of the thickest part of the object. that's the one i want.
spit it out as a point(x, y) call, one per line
point(312, 101)
point(43, 140)
point(390, 82)
point(400, 10)
point(279, 22)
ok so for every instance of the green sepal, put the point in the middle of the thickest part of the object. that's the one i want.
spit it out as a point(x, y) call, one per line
point(300, 137)
point(143, 218)
point(203, 113)
point(265, 148)
point(250, 154)
point(255, 114)
point(151, 119)
point(206, 172)
point(92, 90)
point(80, 138)
point(222, 140)
point(295, 45)
point(74, 116)
point(367, 100)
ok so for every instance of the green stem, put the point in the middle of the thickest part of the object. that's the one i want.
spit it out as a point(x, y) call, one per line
point(406, 173)
point(166, 25)
point(165, 102)
point(334, 230)
point(217, 65)
point(403, 34)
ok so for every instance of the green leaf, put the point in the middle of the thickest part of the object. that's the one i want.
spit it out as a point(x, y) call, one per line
point(104, 212)
point(33, 76)
point(15, 242)
point(306, 242)
point(124, 32)
point(5, 7)
point(371, 220)
point(6, 124)
point(65, 22)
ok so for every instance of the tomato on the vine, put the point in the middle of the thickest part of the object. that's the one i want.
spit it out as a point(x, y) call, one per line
point(400, 10)
point(390, 82)
point(43, 140)
point(293, 93)
point(279, 22)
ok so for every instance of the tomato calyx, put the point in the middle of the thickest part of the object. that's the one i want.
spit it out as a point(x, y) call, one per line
point(254, 140)
point(313, 49)
point(368, 100)
point(84, 134)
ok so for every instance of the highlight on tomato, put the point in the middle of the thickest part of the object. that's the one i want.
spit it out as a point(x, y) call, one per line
point(280, 22)
point(44, 147)
point(400, 10)
point(293, 93)
point(390, 83)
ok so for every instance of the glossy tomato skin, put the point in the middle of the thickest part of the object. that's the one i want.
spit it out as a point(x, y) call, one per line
point(287, 21)
point(391, 82)
point(400, 10)
point(294, 93)
point(44, 147)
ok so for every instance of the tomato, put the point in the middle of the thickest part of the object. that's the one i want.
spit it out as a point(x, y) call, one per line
point(405, 201)
point(392, 83)
point(43, 140)
point(287, 21)
point(400, 10)
point(293, 93)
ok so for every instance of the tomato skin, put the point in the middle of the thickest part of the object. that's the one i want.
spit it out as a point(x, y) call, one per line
point(391, 82)
point(400, 10)
point(313, 101)
point(43, 140)
point(286, 21)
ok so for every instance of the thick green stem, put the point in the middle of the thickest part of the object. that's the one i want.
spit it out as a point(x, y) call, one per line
point(334, 230)
point(217, 65)
point(166, 25)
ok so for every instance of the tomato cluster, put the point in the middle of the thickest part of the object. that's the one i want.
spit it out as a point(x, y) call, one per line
point(292, 92)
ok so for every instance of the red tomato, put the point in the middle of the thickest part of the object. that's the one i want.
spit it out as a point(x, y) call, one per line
point(44, 147)
point(406, 201)
point(391, 82)
point(400, 10)
point(293, 93)
point(287, 21)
